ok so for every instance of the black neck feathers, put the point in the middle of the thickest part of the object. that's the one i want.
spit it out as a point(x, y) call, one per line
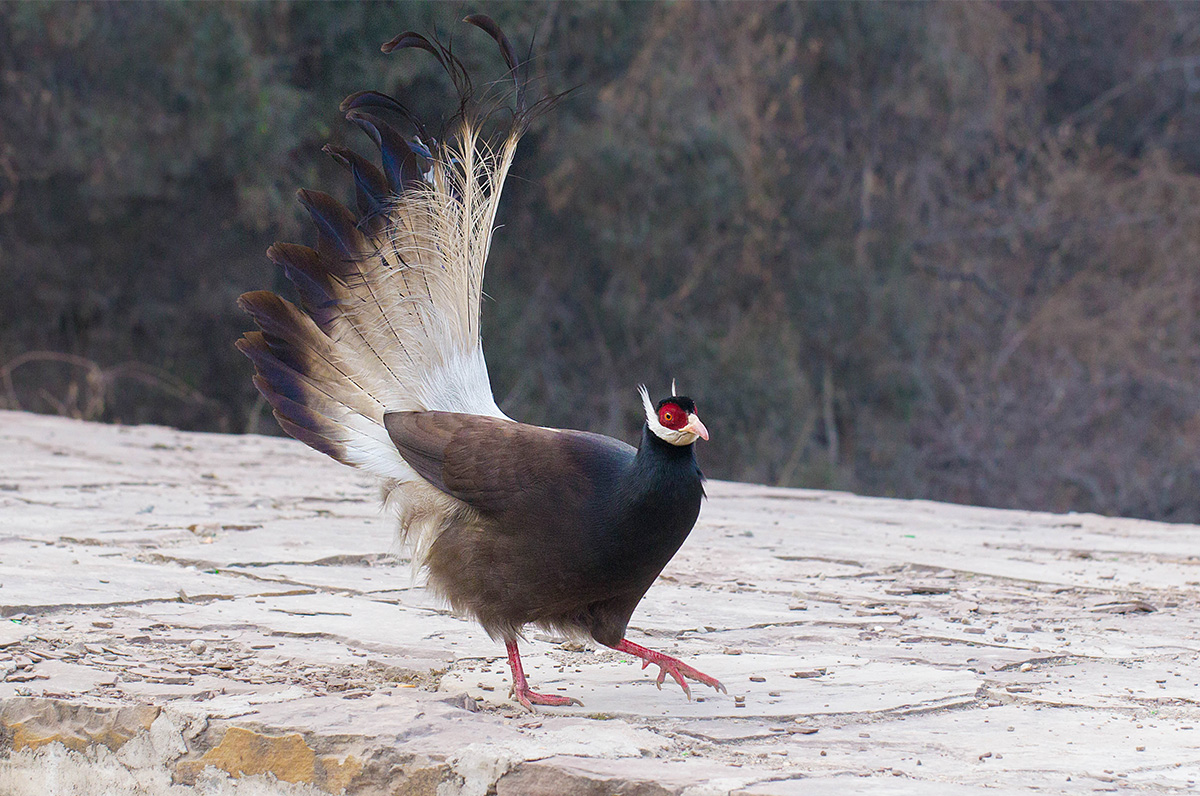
point(654, 448)
point(661, 466)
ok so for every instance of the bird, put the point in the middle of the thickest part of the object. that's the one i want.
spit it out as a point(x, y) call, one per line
point(380, 366)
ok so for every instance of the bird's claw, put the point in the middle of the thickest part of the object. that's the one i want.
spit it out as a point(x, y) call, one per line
point(529, 698)
point(679, 670)
point(672, 666)
point(520, 687)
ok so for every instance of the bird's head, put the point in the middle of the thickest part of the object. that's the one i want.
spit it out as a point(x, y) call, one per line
point(673, 419)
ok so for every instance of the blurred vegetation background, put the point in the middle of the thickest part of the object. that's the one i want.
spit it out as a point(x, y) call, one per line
point(939, 250)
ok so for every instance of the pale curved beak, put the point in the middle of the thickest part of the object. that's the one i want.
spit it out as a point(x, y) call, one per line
point(696, 427)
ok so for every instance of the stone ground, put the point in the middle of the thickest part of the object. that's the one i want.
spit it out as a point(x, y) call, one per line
point(195, 613)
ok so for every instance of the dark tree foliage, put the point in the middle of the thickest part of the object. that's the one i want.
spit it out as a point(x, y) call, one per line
point(925, 250)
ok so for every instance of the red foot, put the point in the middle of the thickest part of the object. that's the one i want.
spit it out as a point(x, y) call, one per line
point(529, 699)
point(668, 665)
point(521, 689)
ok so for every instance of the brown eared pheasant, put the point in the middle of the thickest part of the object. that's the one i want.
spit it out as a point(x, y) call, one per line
point(381, 367)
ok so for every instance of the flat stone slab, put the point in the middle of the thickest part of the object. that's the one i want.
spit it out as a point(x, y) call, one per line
point(200, 613)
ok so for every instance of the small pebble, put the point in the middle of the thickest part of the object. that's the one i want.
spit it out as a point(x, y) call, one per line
point(757, 679)
point(1027, 667)
point(102, 623)
point(198, 647)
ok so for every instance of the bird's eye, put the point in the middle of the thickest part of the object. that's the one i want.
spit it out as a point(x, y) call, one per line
point(667, 418)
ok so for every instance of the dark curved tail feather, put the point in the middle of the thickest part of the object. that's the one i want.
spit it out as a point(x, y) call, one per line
point(370, 186)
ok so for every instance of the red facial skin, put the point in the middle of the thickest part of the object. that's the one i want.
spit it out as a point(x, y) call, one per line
point(672, 417)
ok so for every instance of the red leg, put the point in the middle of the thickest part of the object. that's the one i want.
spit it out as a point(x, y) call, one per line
point(521, 686)
point(668, 665)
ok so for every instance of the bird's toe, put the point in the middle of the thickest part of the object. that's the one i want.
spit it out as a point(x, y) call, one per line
point(530, 698)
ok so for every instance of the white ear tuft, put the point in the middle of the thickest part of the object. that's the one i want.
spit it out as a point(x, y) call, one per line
point(647, 404)
point(674, 437)
point(673, 390)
